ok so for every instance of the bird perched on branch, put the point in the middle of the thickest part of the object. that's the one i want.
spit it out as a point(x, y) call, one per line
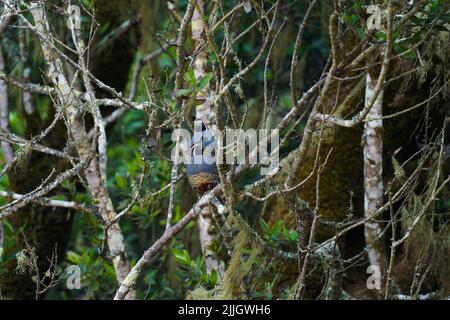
point(201, 170)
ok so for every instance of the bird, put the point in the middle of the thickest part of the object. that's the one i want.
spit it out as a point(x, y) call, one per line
point(201, 170)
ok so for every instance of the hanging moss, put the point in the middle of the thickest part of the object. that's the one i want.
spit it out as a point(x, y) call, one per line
point(428, 246)
point(239, 266)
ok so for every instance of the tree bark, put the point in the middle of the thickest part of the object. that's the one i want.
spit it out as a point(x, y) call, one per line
point(205, 113)
point(373, 177)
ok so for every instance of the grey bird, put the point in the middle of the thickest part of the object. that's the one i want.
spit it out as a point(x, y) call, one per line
point(201, 169)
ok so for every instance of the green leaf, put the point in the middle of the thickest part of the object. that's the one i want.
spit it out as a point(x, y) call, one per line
point(214, 276)
point(361, 33)
point(204, 81)
point(410, 55)
point(104, 27)
point(277, 227)
point(120, 181)
point(347, 18)
point(190, 77)
point(89, 3)
point(354, 19)
point(285, 233)
point(381, 36)
point(398, 170)
point(264, 227)
point(8, 228)
point(73, 257)
point(109, 270)
point(293, 235)
point(357, 5)
point(182, 92)
point(182, 256)
point(138, 159)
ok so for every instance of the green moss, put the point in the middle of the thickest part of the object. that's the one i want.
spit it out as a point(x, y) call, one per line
point(239, 266)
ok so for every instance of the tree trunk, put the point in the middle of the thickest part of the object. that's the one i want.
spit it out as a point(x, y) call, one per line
point(373, 178)
point(48, 228)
